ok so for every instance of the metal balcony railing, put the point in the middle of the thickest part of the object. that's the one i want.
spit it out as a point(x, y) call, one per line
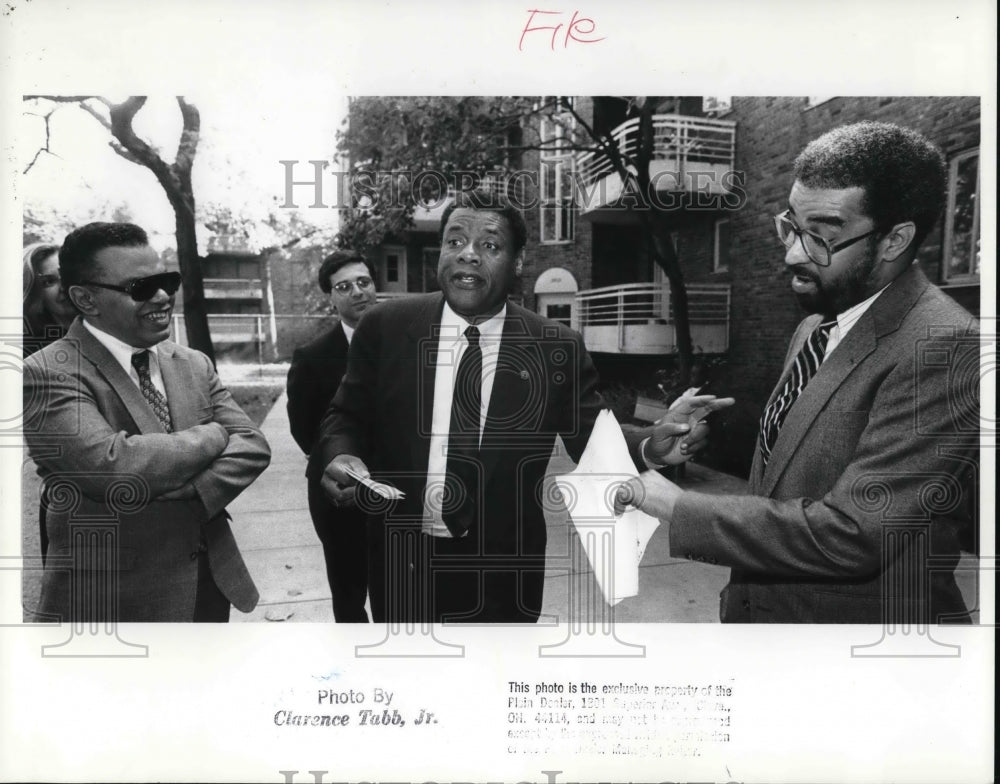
point(233, 288)
point(638, 318)
point(677, 138)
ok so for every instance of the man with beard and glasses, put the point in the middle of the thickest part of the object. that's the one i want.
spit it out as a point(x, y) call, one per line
point(140, 446)
point(862, 479)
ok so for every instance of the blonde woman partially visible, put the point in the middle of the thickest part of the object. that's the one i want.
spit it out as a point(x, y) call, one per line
point(47, 310)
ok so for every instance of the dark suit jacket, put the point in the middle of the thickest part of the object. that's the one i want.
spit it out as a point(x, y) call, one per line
point(545, 385)
point(108, 462)
point(313, 379)
point(868, 485)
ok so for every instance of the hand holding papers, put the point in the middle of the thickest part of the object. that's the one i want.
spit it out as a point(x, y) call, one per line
point(379, 488)
point(343, 472)
point(614, 546)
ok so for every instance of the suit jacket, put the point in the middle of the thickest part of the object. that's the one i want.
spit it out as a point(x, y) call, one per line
point(869, 484)
point(545, 385)
point(125, 495)
point(313, 379)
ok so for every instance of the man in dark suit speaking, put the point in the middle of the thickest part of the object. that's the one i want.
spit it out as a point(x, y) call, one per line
point(140, 446)
point(457, 398)
point(313, 379)
point(861, 480)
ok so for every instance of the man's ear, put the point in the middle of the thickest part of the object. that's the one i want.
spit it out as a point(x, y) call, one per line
point(519, 263)
point(83, 298)
point(898, 240)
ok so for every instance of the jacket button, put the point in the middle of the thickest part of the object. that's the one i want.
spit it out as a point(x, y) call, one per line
point(194, 555)
point(746, 604)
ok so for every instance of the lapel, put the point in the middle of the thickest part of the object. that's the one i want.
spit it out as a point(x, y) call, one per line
point(421, 338)
point(881, 319)
point(180, 384)
point(518, 380)
point(117, 379)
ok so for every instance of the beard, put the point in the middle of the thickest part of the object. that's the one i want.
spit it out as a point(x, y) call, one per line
point(833, 297)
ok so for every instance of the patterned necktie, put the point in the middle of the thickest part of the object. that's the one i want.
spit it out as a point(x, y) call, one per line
point(461, 473)
point(155, 398)
point(807, 362)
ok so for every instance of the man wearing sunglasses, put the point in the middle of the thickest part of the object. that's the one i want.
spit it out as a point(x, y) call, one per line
point(313, 379)
point(140, 445)
point(862, 480)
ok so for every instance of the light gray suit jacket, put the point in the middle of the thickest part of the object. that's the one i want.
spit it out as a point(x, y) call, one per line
point(127, 497)
point(858, 515)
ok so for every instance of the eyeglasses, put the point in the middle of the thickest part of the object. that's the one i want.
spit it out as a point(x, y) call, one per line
point(817, 248)
point(345, 286)
point(142, 289)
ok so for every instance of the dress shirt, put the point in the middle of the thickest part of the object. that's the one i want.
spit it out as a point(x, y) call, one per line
point(452, 343)
point(348, 331)
point(848, 319)
point(122, 352)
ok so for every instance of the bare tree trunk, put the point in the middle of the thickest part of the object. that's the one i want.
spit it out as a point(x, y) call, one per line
point(660, 245)
point(175, 179)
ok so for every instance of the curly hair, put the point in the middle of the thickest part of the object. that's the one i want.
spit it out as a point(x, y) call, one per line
point(901, 172)
point(76, 256)
point(336, 260)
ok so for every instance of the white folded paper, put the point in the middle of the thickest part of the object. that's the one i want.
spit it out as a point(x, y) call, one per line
point(614, 546)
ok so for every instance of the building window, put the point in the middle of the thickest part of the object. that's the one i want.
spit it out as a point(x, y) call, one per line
point(720, 246)
point(961, 226)
point(715, 105)
point(392, 268)
point(555, 173)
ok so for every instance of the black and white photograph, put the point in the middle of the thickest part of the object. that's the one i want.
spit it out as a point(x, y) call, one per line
point(360, 401)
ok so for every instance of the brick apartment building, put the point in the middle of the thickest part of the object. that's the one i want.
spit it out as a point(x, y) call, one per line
point(586, 264)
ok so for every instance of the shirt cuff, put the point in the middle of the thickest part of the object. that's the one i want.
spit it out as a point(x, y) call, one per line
point(649, 463)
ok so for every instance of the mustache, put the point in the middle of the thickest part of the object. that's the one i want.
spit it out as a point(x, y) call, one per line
point(804, 273)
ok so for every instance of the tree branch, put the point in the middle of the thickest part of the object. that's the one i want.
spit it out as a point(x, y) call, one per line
point(96, 115)
point(190, 134)
point(48, 137)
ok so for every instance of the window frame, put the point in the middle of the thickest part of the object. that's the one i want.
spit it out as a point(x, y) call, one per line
point(716, 267)
point(561, 229)
point(967, 278)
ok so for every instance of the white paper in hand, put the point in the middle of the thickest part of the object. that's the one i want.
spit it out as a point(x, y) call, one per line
point(614, 547)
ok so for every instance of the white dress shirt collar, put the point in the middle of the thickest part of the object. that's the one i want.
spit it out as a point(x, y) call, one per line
point(122, 352)
point(847, 319)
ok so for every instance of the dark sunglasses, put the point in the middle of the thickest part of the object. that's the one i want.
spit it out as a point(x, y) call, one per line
point(142, 289)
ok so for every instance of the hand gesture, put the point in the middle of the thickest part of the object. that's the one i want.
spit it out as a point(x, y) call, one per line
point(682, 431)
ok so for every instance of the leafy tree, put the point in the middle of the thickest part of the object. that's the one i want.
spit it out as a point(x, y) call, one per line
point(174, 178)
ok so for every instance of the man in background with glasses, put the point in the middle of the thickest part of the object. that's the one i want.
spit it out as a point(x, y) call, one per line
point(862, 480)
point(140, 445)
point(313, 379)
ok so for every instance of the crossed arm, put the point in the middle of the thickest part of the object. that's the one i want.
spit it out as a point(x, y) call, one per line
point(69, 433)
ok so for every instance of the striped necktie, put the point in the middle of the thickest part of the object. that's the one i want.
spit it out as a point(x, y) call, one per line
point(807, 362)
point(155, 398)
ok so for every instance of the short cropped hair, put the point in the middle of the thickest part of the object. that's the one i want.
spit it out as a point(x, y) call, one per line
point(901, 172)
point(490, 202)
point(336, 260)
point(76, 256)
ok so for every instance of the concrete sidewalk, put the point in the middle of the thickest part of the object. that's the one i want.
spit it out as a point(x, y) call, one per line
point(276, 536)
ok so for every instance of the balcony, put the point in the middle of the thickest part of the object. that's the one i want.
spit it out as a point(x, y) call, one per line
point(692, 155)
point(636, 318)
point(233, 288)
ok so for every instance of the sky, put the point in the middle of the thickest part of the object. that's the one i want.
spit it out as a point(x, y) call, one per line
point(245, 132)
